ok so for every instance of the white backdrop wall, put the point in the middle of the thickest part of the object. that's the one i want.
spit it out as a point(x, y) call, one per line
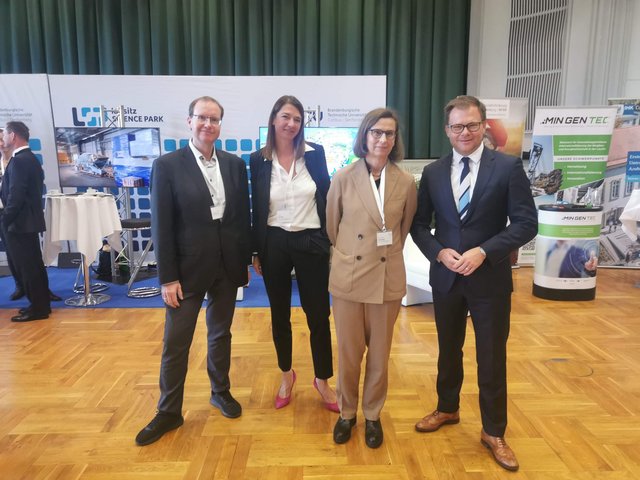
point(46, 102)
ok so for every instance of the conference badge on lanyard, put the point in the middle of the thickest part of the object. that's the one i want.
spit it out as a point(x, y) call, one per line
point(384, 237)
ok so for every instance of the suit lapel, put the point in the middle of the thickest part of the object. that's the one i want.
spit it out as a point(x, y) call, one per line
point(487, 165)
point(362, 185)
point(443, 172)
point(193, 171)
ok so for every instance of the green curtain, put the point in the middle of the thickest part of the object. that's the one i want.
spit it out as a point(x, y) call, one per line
point(420, 45)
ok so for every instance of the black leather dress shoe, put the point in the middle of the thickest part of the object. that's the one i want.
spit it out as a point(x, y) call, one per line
point(17, 294)
point(29, 316)
point(28, 309)
point(342, 430)
point(228, 405)
point(373, 433)
point(53, 297)
point(161, 424)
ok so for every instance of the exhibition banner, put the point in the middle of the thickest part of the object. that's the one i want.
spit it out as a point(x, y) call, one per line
point(568, 158)
point(567, 248)
point(25, 98)
point(622, 178)
point(79, 149)
point(506, 120)
point(569, 151)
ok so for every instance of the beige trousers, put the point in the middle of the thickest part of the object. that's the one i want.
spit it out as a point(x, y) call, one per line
point(360, 327)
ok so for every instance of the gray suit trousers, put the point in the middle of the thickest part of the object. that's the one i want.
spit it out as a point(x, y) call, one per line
point(179, 327)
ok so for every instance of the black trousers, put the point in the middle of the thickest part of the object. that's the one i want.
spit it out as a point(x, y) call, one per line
point(29, 271)
point(12, 267)
point(490, 317)
point(180, 324)
point(308, 252)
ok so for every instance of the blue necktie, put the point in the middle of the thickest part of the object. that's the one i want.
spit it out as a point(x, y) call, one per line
point(464, 189)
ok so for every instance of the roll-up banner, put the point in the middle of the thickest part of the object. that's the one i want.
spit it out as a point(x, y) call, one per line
point(622, 178)
point(568, 158)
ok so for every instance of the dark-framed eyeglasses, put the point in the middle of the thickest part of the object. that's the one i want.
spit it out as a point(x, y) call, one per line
point(458, 128)
point(377, 134)
point(204, 118)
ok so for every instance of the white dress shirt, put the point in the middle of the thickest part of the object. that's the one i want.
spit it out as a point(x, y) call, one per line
point(292, 197)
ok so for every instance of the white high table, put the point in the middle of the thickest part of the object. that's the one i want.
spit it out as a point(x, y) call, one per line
point(87, 219)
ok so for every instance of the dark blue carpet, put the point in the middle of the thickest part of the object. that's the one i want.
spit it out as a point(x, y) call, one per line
point(61, 283)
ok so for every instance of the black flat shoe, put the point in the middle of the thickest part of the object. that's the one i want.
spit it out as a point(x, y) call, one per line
point(373, 433)
point(342, 430)
point(29, 316)
point(228, 405)
point(161, 424)
point(53, 297)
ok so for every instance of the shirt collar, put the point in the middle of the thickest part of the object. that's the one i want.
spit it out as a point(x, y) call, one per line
point(19, 149)
point(473, 156)
point(198, 154)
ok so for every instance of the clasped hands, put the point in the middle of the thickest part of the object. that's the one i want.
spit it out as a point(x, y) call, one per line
point(465, 263)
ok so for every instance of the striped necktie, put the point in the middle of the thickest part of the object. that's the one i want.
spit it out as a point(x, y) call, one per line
point(464, 189)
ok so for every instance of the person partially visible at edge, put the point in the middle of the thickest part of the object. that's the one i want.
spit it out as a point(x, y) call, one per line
point(481, 203)
point(289, 184)
point(22, 222)
point(370, 207)
point(200, 227)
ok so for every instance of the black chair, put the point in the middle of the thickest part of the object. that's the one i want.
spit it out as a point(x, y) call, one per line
point(131, 225)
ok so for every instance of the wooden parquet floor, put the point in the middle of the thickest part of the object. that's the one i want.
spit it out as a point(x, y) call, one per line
point(75, 390)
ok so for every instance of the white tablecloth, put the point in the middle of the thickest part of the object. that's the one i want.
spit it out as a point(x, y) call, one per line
point(87, 219)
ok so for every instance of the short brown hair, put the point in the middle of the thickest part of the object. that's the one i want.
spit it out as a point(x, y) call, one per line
point(19, 128)
point(369, 120)
point(464, 102)
point(205, 98)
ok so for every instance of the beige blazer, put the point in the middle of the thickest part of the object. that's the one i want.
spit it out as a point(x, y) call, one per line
point(361, 271)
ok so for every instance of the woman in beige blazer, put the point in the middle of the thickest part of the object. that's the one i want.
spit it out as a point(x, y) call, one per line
point(370, 208)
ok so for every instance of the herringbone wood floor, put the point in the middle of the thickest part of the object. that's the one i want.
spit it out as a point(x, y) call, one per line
point(75, 389)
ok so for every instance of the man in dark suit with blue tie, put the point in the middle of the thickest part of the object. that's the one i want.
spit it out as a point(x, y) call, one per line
point(201, 233)
point(23, 220)
point(482, 208)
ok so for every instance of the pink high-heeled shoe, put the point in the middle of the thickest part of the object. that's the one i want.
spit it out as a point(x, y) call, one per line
point(331, 406)
point(284, 401)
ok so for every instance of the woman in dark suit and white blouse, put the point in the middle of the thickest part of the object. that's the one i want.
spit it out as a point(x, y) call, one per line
point(289, 185)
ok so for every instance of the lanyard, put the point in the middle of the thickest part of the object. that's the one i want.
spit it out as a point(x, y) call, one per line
point(378, 194)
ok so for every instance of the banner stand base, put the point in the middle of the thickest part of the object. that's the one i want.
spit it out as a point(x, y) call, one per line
point(565, 295)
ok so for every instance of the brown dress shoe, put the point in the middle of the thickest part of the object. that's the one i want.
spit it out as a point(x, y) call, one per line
point(435, 420)
point(501, 452)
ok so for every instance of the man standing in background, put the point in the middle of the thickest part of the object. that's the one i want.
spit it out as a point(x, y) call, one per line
point(23, 220)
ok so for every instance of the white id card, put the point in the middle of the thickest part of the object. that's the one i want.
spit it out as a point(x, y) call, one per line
point(285, 215)
point(216, 212)
point(384, 238)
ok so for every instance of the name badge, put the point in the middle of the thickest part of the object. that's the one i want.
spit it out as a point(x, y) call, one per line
point(217, 212)
point(384, 238)
point(285, 215)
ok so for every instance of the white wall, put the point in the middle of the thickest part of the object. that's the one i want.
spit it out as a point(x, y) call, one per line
point(600, 54)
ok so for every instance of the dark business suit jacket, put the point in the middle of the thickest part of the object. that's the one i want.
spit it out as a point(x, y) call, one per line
point(501, 193)
point(21, 194)
point(186, 240)
point(316, 164)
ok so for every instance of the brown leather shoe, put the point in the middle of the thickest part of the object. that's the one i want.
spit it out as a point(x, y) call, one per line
point(501, 452)
point(435, 420)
